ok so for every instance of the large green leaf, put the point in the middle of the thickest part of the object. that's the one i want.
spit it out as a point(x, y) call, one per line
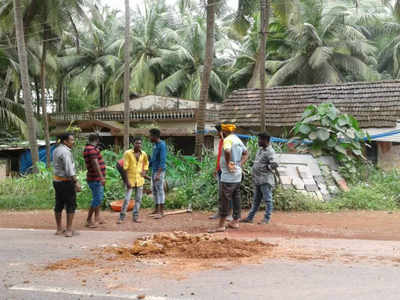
point(340, 149)
point(311, 119)
point(304, 129)
point(323, 134)
point(331, 143)
point(313, 136)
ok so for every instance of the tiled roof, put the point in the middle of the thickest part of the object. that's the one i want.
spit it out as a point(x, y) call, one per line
point(373, 104)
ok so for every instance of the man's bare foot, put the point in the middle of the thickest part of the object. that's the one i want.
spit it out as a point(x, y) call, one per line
point(60, 232)
point(68, 233)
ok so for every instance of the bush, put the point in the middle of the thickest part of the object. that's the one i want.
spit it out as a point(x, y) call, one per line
point(292, 200)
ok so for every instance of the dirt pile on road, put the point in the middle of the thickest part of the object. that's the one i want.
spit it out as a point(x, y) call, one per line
point(184, 245)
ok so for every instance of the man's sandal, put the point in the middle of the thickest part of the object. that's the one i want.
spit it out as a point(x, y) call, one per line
point(216, 230)
point(233, 226)
point(91, 225)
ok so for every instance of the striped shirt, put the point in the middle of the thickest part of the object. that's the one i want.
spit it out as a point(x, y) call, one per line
point(90, 153)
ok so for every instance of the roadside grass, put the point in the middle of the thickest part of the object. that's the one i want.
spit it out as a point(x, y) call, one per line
point(380, 192)
point(191, 182)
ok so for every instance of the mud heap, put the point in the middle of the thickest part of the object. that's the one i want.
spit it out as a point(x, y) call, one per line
point(184, 245)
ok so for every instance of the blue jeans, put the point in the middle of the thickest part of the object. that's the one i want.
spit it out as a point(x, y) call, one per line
point(158, 188)
point(138, 201)
point(97, 193)
point(262, 192)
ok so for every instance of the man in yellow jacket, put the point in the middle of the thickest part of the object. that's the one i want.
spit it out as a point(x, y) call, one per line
point(136, 165)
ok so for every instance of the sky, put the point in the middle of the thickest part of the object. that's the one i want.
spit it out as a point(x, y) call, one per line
point(121, 3)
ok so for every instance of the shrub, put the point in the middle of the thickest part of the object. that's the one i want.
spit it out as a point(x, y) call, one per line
point(292, 200)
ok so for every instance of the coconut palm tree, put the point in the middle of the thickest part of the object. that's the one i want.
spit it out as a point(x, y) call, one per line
point(19, 28)
point(205, 76)
point(127, 58)
point(326, 49)
point(185, 62)
point(98, 58)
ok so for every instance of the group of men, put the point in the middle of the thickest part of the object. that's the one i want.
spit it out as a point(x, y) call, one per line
point(232, 155)
point(134, 166)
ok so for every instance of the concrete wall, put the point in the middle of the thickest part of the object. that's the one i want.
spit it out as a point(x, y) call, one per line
point(388, 155)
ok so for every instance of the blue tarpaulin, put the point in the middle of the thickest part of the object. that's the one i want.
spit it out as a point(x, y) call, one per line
point(25, 161)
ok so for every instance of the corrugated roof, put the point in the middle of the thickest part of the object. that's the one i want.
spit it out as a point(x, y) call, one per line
point(373, 104)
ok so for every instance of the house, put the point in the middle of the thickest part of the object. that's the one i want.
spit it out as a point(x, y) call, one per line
point(15, 158)
point(376, 106)
point(176, 118)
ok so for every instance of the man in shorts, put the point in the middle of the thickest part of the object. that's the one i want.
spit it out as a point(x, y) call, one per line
point(65, 183)
point(96, 178)
point(234, 157)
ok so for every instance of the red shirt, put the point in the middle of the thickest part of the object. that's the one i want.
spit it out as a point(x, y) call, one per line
point(220, 145)
point(91, 152)
point(121, 163)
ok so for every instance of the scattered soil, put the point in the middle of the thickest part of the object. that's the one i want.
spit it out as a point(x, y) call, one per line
point(368, 225)
point(70, 263)
point(197, 246)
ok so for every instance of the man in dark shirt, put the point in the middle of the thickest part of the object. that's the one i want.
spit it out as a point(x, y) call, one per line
point(158, 167)
point(96, 178)
point(263, 179)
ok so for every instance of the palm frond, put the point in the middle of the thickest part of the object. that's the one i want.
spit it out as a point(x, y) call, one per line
point(319, 57)
point(291, 67)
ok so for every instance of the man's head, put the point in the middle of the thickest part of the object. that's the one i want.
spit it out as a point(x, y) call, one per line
point(263, 139)
point(227, 129)
point(155, 135)
point(94, 139)
point(137, 144)
point(218, 127)
point(67, 139)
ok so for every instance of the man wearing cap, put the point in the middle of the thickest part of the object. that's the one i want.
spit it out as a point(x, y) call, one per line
point(234, 157)
point(217, 172)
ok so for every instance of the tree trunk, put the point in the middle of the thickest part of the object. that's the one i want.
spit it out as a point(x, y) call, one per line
point(101, 96)
point(127, 49)
point(260, 60)
point(44, 104)
point(37, 92)
point(264, 5)
point(76, 32)
point(7, 82)
point(23, 61)
point(201, 113)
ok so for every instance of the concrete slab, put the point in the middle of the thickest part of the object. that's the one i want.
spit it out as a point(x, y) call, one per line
point(299, 160)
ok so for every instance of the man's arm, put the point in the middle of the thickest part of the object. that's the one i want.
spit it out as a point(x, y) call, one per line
point(145, 165)
point(245, 157)
point(126, 166)
point(163, 159)
point(71, 172)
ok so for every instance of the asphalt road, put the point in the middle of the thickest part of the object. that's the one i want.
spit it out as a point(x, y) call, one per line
point(23, 253)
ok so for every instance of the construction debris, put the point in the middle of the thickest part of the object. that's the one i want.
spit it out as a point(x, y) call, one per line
point(318, 177)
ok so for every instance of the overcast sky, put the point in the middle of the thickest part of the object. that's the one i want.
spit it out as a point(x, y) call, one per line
point(121, 3)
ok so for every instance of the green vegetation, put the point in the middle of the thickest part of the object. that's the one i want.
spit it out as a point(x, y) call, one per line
point(191, 182)
point(309, 41)
point(332, 133)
